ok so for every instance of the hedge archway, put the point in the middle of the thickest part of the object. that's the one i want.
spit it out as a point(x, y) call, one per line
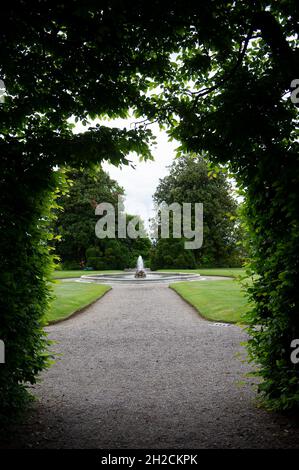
point(86, 61)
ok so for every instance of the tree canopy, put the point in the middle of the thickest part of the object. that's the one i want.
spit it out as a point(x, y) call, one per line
point(78, 245)
point(75, 223)
point(191, 181)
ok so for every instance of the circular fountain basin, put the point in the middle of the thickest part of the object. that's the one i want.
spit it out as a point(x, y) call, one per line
point(150, 277)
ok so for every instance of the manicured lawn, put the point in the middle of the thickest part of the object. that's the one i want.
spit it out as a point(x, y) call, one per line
point(215, 300)
point(79, 273)
point(231, 272)
point(73, 296)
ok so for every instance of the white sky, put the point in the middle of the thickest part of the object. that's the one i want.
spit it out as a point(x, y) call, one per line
point(140, 183)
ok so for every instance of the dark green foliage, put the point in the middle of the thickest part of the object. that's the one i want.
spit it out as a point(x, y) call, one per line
point(273, 233)
point(191, 181)
point(26, 262)
point(78, 245)
point(170, 253)
point(75, 224)
point(93, 252)
point(96, 262)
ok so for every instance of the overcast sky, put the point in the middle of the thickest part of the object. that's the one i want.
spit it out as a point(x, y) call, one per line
point(140, 183)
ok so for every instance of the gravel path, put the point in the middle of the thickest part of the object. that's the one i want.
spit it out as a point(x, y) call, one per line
point(141, 369)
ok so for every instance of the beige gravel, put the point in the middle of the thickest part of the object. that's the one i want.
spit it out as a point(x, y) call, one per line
point(141, 369)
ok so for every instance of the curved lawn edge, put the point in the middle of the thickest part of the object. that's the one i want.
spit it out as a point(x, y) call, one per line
point(172, 287)
point(76, 274)
point(82, 308)
point(220, 301)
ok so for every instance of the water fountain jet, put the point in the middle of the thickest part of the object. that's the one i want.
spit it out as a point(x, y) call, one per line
point(140, 271)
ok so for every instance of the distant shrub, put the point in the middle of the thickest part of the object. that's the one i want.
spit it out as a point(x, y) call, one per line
point(70, 266)
point(93, 252)
point(96, 262)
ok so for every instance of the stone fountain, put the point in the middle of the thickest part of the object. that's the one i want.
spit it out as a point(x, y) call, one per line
point(140, 271)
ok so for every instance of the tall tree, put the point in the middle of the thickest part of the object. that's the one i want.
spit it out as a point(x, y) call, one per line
point(75, 224)
point(191, 181)
point(76, 241)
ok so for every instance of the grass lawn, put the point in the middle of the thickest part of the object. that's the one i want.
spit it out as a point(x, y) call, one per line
point(73, 296)
point(231, 272)
point(79, 273)
point(215, 300)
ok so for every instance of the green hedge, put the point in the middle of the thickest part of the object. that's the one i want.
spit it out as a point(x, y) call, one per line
point(26, 264)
